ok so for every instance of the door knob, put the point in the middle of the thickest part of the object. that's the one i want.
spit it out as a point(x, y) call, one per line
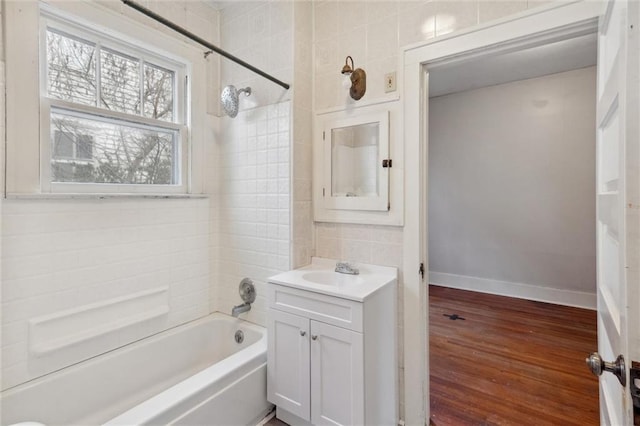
point(313, 337)
point(597, 365)
point(303, 333)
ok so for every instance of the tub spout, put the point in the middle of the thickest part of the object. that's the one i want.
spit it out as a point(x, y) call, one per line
point(238, 309)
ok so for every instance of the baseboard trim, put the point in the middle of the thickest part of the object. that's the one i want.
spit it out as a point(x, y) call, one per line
point(556, 296)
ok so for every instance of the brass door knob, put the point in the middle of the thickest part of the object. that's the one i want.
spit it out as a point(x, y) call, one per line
point(597, 366)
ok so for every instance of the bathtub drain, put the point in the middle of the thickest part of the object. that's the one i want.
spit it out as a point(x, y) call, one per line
point(239, 336)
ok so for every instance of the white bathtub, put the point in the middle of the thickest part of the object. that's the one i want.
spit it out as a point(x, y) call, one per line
point(195, 374)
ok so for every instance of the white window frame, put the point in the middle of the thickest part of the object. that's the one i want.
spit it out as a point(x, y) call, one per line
point(29, 147)
point(49, 20)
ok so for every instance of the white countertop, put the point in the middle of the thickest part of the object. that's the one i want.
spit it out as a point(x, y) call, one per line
point(354, 287)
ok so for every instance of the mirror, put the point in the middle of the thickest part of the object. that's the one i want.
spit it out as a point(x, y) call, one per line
point(356, 173)
point(354, 158)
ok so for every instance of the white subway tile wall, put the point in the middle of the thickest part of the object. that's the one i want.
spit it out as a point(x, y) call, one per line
point(373, 32)
point(256, 236)
point(64, 254)
point(302, 227)
point(253, 209)
point(378, 245)
point(261, 33)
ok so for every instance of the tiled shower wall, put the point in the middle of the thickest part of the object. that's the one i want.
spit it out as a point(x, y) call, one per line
point(253, 218)
point(261, 33)
point(67, 253)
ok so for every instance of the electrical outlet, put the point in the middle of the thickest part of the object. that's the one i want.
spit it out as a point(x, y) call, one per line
point(390, 82)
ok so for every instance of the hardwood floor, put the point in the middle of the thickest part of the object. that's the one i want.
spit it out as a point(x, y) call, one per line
point(510, 361)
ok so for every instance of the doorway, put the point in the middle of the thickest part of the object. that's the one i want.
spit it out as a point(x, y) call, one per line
point(564, 22)
point(512, 213)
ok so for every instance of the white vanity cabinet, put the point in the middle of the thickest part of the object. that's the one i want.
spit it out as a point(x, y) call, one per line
point(331, 359)
point(317, 370)
point(289, 366)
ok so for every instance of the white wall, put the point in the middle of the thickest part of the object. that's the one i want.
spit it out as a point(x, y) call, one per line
point(373, 34)
point(67, 254)
point(512, 184)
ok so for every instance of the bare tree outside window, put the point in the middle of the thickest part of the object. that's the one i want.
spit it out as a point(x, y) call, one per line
point(91, 148)
point(127, 154)
point(119, 82)
point(158, 93)
point(71, 69)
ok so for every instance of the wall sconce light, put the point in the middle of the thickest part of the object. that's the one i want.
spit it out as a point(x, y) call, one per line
point(358, 79)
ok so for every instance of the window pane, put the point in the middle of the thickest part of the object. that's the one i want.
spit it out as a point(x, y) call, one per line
point(120, 82)
point(84, 147)
point(109, 151)
point(62, 145)
point(158, 93)
point(71, 69)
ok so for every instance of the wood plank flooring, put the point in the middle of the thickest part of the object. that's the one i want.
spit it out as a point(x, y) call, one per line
point(510, 361)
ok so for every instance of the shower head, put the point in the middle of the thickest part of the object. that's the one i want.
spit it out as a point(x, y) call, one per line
point(229, 99)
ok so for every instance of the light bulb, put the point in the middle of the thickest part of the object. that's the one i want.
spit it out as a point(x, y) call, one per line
point(346, 81)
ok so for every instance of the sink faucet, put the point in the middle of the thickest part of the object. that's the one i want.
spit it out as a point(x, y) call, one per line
point(345, 268)
point(238, 309)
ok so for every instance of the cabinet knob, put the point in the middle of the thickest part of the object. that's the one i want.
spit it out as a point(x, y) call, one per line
point(303, 333)
point(314, 337)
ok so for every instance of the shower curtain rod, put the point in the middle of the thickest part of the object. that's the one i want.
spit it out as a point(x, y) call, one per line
point(202, 41)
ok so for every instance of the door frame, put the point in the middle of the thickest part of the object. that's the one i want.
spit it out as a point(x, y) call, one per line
point(531, 28)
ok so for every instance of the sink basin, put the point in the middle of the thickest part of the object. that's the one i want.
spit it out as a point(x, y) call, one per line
point(320, 277)
point(332, 278)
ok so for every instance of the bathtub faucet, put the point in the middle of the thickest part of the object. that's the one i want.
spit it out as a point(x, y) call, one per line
point(238, 309)
point(248, 295)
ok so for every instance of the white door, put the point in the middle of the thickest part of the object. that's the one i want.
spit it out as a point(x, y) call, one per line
point(615, 292)
point(288, 363)
point(337, 376)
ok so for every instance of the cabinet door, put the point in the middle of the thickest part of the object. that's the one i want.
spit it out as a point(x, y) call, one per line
point(288, 363)
point(337, 376)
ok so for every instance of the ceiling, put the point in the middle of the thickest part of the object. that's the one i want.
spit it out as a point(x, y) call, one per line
point(565, 55)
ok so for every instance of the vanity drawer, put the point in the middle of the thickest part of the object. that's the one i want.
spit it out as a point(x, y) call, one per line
point(331, 310)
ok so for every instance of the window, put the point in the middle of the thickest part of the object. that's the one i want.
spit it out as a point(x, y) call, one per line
point(113, 114)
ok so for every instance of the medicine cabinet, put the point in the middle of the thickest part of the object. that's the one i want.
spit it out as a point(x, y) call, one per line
point(356, 179)
point(356, 163)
